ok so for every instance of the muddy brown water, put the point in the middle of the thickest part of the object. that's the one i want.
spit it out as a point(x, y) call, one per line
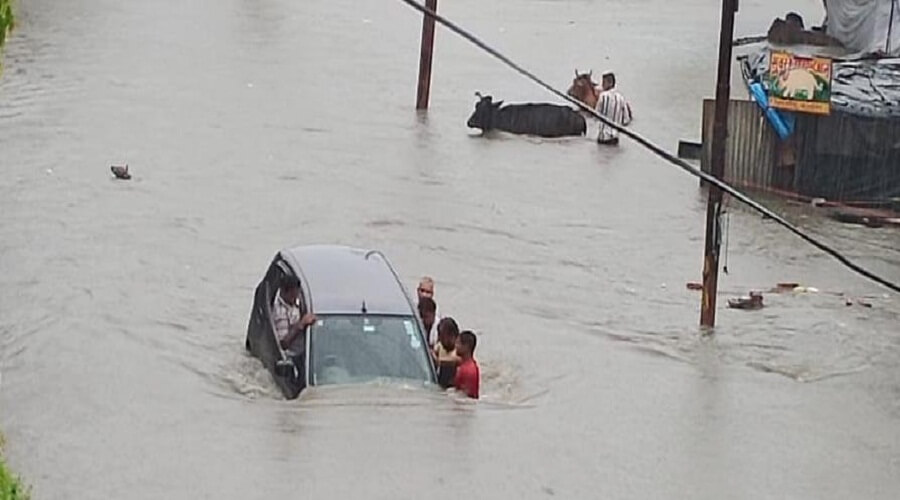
point(256, 124)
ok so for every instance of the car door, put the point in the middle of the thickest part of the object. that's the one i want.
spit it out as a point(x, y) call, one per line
point(289, 372)
point(261, 340)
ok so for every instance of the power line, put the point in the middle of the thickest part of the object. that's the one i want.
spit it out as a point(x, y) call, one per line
point(657, 149)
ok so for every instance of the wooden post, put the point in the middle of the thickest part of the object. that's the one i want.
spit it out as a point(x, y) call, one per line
point(425, 57)
point(717, 166)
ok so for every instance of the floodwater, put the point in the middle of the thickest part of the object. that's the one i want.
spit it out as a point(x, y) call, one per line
point(250, 125)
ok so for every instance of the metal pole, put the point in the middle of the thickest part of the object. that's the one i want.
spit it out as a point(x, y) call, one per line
point(720, 136)
point(425, 56)
point(887, 45)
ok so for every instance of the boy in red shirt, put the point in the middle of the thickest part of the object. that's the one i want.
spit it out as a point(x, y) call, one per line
point(468, 376)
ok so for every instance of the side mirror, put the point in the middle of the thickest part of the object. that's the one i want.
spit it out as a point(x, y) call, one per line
point(285, 368)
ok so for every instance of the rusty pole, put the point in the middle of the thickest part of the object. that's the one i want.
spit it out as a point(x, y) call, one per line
point(425, 57)
point(720, 137)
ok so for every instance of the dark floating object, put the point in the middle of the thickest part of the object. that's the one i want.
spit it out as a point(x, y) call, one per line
point(120, 171)
point(689, 150)
point(754, 301)
point(785, 287)
point(860, 302)
point(694, 286)
point(865, 216)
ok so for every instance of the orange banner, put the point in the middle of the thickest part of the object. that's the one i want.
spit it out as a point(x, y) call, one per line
point(801, 84)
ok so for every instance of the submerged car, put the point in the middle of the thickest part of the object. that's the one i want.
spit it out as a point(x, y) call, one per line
point(366, 329)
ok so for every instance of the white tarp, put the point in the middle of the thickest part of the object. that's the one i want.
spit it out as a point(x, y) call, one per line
point(863, 25)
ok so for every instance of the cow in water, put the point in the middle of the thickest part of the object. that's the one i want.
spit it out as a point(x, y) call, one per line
point(544, 120)
point(585, 89)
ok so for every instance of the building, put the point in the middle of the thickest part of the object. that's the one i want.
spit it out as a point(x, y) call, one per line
point(852, 153)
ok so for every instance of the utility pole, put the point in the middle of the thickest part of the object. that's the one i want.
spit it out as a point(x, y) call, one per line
point(720, 138)
point(425, 56)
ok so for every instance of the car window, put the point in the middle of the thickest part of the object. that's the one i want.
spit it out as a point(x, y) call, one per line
point(355, 348)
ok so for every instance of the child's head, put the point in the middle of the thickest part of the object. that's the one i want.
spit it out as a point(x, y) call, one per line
point(427, 311)
point(465, 344)
point(447, 333)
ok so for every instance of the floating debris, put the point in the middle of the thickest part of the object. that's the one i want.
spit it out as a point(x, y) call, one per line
point(120, 171)
point(754, 301)
point(689, 150)
point(786, 287)
point(693, 285)
point(868, 217)
point(859, 301)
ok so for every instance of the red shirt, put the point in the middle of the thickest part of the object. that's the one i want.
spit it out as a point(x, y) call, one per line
point(468, 377)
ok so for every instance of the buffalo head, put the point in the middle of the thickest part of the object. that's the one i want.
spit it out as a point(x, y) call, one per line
point(483, 117)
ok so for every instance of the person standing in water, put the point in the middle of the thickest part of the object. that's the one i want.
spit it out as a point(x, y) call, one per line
point(614, 107)
point(468, 375)
point(445, 352)
point(425, 290)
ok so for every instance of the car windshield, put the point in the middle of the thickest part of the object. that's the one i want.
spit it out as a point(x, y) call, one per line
point(355, 348)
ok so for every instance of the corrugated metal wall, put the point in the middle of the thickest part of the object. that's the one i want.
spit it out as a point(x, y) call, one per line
point(840, 157)
point(848, 158)
point(750, 156)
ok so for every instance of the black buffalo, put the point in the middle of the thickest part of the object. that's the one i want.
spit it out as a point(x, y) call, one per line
point(545, 120)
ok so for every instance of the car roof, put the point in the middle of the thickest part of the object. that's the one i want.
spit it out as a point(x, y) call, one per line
point(341, 278)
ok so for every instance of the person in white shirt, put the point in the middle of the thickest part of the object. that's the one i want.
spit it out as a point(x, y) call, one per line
point(613, 106)
point(426, 290)
point(289, 325)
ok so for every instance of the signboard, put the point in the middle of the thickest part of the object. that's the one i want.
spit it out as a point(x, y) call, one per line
point(800, 83)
